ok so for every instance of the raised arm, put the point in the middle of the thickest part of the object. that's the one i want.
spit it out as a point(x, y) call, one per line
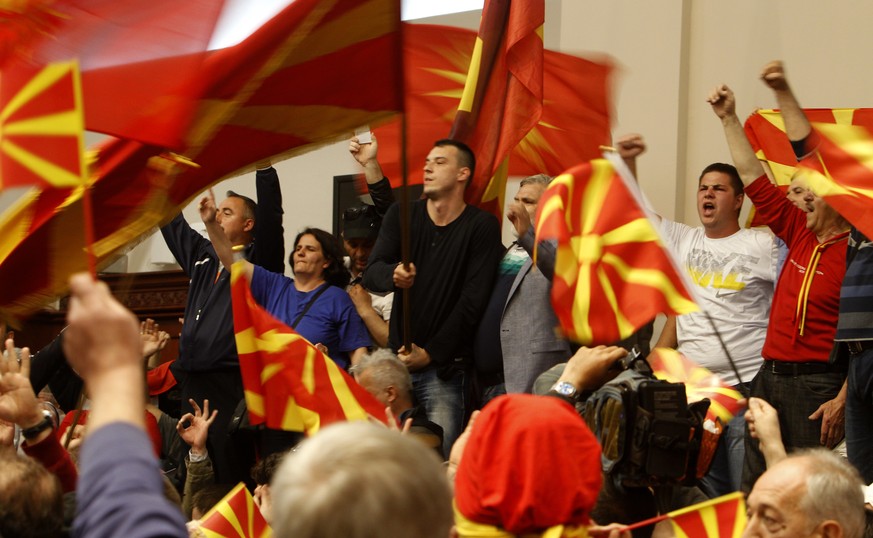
point(220, 242)
point(377, 183)
point(102, 343)
point(724, 106)
point(631, 146)
point(797, 126)
point(269, 250)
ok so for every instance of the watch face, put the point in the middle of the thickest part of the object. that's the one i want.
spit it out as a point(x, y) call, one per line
point(565, 389)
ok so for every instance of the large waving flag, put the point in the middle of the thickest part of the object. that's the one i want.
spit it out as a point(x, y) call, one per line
point(612, 271)
point(283, 90)
point(765, 130)
point(575, 119)
point(235, 516)
point(289, 384)
point(722, 517)
point(841, 171)
point(700, 383)
point(503, 95)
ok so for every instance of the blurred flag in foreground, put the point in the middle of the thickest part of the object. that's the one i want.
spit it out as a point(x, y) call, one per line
point(289, 384)
point(612, 271)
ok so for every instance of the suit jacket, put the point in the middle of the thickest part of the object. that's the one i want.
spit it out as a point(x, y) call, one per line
point(527, 330)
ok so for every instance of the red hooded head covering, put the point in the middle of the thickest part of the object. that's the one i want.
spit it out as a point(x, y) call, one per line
point(530, 463)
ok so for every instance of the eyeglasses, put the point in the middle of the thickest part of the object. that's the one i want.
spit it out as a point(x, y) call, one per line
point(353, 213)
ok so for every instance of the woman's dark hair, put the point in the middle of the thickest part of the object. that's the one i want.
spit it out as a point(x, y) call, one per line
point(335, 273)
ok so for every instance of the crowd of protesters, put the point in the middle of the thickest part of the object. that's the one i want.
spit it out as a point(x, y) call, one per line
point(481, 448)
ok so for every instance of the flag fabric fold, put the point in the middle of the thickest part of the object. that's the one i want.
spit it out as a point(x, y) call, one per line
point(765, 130)
point(613, 273)
point(288, 383)
point(290, 86)
point(722, 517)
point(700, 383)
point(575, 118)
point(840, 170)
point(503, 94)
point(235, 516)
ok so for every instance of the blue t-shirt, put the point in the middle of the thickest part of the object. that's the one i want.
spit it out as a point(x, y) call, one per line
point(332, 320)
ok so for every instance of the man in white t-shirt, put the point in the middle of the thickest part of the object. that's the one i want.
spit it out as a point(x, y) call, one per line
point(734, 270)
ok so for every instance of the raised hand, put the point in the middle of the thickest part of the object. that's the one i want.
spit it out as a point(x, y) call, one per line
point(773, 76)
point(630, 146)
point(208, 208)
point(723, 102)
point(364, 153)
point(198, 426)
point(153, 339)
point(18, 403)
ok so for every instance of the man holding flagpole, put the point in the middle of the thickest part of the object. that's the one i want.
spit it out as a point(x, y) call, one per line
point(454, 252)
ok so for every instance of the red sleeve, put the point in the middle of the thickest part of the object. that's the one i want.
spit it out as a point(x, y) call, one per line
point(53, 457)
point(787, 221)
point(154, 433)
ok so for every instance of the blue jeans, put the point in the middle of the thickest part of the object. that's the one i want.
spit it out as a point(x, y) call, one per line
point(795, 398)
point(443, 400)
point(859, 414)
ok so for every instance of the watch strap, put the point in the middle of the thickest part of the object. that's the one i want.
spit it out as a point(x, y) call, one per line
point(44, 424)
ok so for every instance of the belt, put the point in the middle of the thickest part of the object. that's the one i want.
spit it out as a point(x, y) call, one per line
point(856, 347)
point(798, 368)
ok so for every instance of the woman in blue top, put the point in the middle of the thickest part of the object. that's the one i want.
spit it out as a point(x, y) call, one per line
point(314, 302)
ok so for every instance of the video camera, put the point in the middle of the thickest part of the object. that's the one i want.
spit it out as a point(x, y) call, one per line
point(649, 434)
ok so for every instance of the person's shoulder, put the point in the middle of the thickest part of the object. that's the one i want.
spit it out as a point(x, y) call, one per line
point(758, 236)
point(480, 216)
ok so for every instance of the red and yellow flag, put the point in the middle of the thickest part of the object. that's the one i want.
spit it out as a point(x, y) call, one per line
point(285, 89)
point(700, 383)
point(503, 94)
point(612, 271)
point(575, 119)
point(289, 384)
point(765, 130)
point(722, 517)
point(235, 516)
point(135, 58)
point(41, 127)
point(841, 171)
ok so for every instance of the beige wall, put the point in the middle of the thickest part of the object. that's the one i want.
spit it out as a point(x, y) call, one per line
point(670, 52)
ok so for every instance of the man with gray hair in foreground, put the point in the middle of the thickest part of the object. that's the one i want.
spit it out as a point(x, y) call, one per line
point(358, 480)
point(810, 493)
point(385, 376)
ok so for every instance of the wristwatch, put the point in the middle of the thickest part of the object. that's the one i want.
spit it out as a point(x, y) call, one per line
point(566, 389)
point(41, 426)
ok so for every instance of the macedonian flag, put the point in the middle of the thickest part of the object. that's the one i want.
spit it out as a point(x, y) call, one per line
point(503, 94)
point(722, 517)
point(612, 271)
point(575, 119)
point(41, 126)
point(700, 383)
point(765, 130)
point(235, 516)
point(289, 384)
